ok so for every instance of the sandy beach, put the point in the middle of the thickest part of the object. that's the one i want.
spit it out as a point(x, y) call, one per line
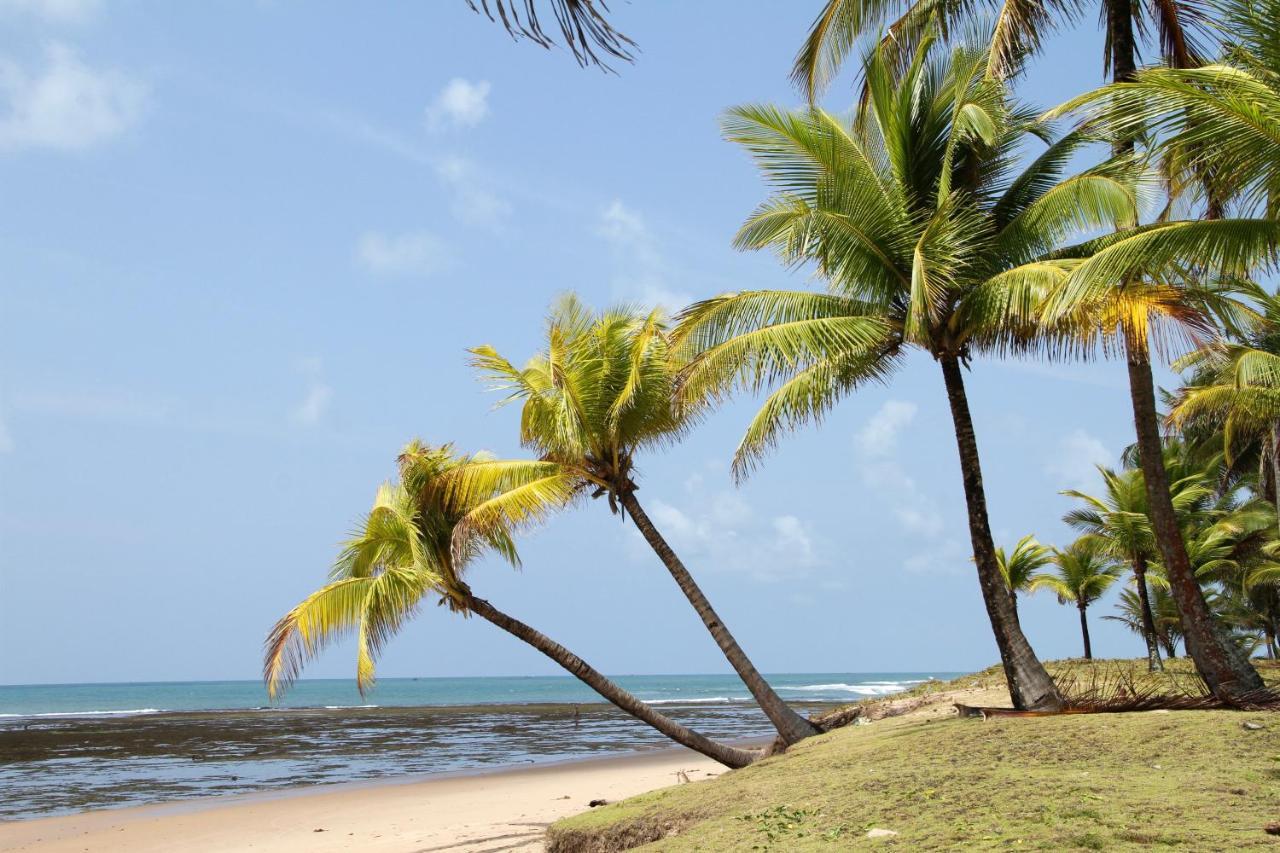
point(503, 810)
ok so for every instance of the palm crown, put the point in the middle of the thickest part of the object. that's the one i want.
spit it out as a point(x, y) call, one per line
point(404, 550)
point(920, 222)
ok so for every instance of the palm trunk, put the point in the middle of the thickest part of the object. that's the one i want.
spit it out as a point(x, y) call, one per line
point(1013, 600)
point(1084, 632)
point(1154, 663)
point(790, 725)
point(727, 755)
point(1030, 686)
point(1225, 670)
point(1170, 648)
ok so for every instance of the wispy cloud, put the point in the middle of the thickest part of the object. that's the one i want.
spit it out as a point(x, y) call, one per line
point(643, 272)
point(878, 438)
point(66, 104)
point(53, 11)
point(915, 511)
point(319, 394)
point(474, 201)
point(1075, 459)
point(418, 253)
point(461, 103)
point(721, 532)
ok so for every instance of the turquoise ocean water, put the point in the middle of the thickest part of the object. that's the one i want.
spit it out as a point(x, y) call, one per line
point(66, 748)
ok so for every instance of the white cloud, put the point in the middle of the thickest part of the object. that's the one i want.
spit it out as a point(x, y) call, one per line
point(53, 11)
point(1073, 464)
point(418, 253)
point(948, 557)
point(319, 394)
point(460, 103)
point(915, 511)
point(721, 532)
point(66, 105)
point(880, 435)
point(474, 203)
point(97, 405)
point(644, 275)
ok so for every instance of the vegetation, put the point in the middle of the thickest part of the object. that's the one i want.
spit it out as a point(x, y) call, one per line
point(1083, 572)
point(409, 548)
point(941, 218)
point(599, 394)
point(1192, 780)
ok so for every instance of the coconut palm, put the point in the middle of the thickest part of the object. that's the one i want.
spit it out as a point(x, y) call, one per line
point(1233, 392)
point(1021, 567)
point(405, 552)
point(1082, 573)
point(1119, 519)
point(1167, 621)
point(1223, 118)
point(917, 220)
point(599, 394)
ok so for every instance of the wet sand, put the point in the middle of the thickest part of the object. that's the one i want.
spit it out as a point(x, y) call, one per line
point(506, 810)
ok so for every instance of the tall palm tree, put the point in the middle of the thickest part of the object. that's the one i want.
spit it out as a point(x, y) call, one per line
point(927, 238)
point(1082, 573)
point(1021, 567)
point(1231, 245)
point(601, 392)
point(405, 552)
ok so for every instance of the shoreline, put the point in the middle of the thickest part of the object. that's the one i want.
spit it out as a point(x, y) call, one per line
point(450, 811)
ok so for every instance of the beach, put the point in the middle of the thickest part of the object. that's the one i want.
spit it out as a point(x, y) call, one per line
point(506, 810)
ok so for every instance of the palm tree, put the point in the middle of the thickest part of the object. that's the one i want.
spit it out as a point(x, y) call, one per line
point(1021, 567)
point(583, 25)
point(1167, 621)
point(1084, 571)
point(927, 238)
point(1126, 259)
point(1120, 520)
point(598, 395)
point(405, 552)
point(1223, 114)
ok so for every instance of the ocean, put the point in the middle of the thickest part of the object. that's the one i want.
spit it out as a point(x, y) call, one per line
point(67, 748)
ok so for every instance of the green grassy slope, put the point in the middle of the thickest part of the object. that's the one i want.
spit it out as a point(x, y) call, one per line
point(1194, 780)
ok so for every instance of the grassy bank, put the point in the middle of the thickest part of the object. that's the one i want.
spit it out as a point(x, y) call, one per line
point(1196, 780)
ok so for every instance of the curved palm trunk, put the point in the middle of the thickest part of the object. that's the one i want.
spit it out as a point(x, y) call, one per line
point(790, 725)
point(727, 755)
point(1225, 669)
point(1030, 686)
point(1084, 632)
point(1154, 664)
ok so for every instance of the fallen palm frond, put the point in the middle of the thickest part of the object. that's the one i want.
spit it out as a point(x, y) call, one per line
point(1118, 690)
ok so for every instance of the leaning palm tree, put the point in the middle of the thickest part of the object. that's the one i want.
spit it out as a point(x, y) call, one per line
point(1021, 567)
point(927, 239)
point(599, 394)
point(1082, 573)
point(404, 553)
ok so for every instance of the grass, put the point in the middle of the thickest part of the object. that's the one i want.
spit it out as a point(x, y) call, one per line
point(1191, 780)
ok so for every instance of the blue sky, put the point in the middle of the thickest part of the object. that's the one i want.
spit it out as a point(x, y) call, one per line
point(243, 249)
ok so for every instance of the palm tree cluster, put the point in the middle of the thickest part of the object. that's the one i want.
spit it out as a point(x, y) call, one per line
point(930, 230)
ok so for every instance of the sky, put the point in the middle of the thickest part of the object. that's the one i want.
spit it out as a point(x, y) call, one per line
point(244, 247)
